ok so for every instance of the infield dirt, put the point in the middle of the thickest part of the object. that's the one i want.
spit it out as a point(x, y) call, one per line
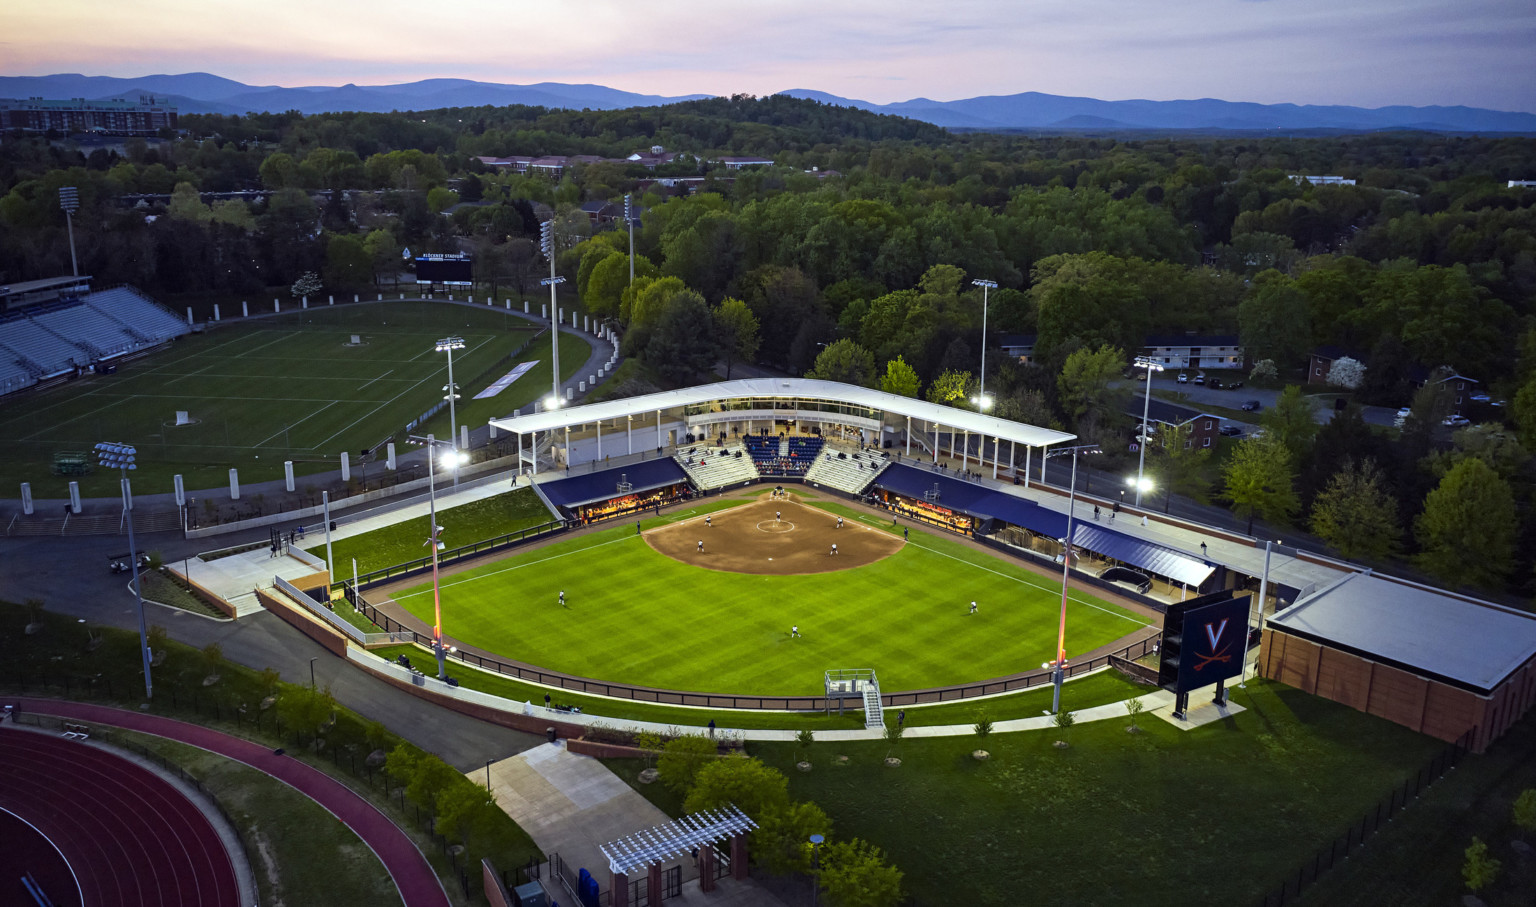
point(773, 537)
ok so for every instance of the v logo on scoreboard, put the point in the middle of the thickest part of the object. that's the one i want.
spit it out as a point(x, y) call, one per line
point(1213, 632)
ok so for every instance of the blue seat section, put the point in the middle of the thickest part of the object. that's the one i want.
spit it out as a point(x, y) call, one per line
point(972, 499)
point(764, 452)
point(600, 486)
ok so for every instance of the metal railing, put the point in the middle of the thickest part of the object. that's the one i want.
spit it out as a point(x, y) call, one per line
point(421, 564)
point(323, 611)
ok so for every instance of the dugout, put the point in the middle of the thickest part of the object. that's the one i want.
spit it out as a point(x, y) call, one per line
point(616, 492)
point(1441, 664)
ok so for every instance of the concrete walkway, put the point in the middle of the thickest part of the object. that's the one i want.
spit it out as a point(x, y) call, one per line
point(236, 577)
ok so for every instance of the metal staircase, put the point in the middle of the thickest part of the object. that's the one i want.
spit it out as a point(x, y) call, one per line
point(874, 714)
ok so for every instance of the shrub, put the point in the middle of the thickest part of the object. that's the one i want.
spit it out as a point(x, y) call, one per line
point(1479, 870)
point(983, 725)
point(681, 760)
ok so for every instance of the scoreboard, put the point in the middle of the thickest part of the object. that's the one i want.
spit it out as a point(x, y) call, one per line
point(453, 270)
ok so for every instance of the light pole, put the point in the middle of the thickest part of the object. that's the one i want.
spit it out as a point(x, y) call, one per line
point(435, 543)
point(1144, 362)
point(448, 345)
point(816, 866)
point(121, 457)
point(981, 387)
point(1059, 674)
point(69, 200)
point(629, 220)
point(312, 672)
point(547, 243)
point(1137, 482)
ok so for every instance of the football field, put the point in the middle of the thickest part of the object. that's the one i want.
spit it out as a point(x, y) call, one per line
point(636, 615)
point(291, 387)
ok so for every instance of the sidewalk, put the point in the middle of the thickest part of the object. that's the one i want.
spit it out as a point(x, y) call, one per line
point(413, 876)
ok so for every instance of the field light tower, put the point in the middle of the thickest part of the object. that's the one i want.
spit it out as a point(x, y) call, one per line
point(448, 345)
point(120, 457)
point(69, 200)
point(547, 244)
point(629, 220)
point(1060, 672)
point(1144, 362)
point(982, 403)
point(453, 459)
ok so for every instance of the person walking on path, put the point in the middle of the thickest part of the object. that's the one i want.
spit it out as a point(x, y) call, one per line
point(711, 727)
point(973, 607)
point(794, 631)
point(1095, 512)
point(901, 717)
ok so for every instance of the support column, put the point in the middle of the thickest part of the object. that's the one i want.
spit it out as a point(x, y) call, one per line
point(1011, 445)
point(600, 446)
point(618, 887)
point(1043, 452)
point(390, 454)
point(215, 311)
point(567, 448)
point(738, 857)
point(346, 467)
point(995, 442)
point(909, 436)
point(26, 498)
point(234, 484)
point(288, 474)
point(706, 867)
point(535, 457)
point(653, 884)
point(659, 445)
point(463, 436)
point(629, 433)
point(245, 309)
point(74, 497)
point(935, 443)
point(965, 452)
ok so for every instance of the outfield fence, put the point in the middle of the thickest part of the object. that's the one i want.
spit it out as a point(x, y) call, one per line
point(1025, 681)
point(1355, 836)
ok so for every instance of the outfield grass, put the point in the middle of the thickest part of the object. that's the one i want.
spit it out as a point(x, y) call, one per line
point(282, 388)
point(465, 524)
point(1212, 816)
point(636, 616)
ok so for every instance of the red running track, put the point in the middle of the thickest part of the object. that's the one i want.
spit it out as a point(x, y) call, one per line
point(412, 874)
point(129, 837)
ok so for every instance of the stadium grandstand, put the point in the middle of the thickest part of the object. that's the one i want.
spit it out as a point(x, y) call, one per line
point(717, 467)
point(67, 329)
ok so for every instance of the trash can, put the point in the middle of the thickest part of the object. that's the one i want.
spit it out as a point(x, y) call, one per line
point(550, 733)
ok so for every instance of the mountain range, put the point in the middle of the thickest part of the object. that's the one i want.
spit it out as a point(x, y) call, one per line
point(205, 93)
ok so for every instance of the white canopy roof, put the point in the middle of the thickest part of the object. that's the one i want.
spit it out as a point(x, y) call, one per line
point(948, 418)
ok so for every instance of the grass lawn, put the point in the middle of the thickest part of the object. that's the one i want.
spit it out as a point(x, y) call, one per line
point(463, 525)
point(1084, 692)
point(637, 616)
point(282, 831)
point(1212, 816)
point(283, 388)
point(158, 587)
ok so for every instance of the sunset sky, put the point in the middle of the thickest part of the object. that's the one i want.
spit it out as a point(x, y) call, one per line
point(1370, 53)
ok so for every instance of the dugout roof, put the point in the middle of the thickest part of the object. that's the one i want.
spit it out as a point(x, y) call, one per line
point(600, 486)
point(787, 389)
point(1470, 643)
point(973, 499)
point(1146, 555)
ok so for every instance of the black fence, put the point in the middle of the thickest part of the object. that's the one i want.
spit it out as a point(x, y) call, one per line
point(421, 564)
point(266, 724)
point(1359, 832)
point(559, 872)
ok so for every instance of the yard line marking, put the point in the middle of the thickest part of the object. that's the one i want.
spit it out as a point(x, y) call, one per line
point(385, 375)
point(374, 410)
point(53, 425)
point(553, 557)
point(317, 412)
point(1024, 582)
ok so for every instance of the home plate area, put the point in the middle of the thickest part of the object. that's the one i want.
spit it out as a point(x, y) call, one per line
point(775, 537)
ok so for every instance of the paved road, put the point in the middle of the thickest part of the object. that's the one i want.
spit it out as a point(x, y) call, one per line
point(70, 575)
point(1197, 395)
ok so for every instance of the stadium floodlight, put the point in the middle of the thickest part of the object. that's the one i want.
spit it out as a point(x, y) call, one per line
point(629, 219)
point(1144, 362)
point(69, 200)
point(448, 345)
point(553, 281)
point(452, 458)
point(121, 457)
point(981, 401)
point(1060, 672)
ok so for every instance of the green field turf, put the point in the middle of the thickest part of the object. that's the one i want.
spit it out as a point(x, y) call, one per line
point(281, 388)
point(636, 616)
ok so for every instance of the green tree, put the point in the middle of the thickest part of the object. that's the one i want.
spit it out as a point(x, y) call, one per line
point(305, 708)
point(1092, 299)
point(1178, 464)
point(1490, 442)
point(748, 783)
point(952, 389)
point(348, 266)
point(900, 379)
point(854, 873)
point(187, 204)
point(845, 361)
point(1272, 320)
point(738, 332)
point(1356, 514)
point(1466, 533)
point(681, 760)
point(1085, 390)
point(1525, 811)
point(780, 842)
point(683, 343)
point(1523, 408)
point(1478, 869)
point(1290, 421)
point(430, 777)
point(383, 253)
point(1260, 480)
point(1133, 708)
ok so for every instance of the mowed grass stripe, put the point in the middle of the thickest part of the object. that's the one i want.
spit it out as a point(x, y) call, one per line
point(636, 616)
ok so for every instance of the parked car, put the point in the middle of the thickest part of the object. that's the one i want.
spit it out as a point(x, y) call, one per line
point(1199, 377)
point(1215, 384)
point(1234, 385)
point(1252, 406)
point(1404, 412)
point(1456, 420)
point(1480, 398)
point(1183, 378)
point(1231, 431)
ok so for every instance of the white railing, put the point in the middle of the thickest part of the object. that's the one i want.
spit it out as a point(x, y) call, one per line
point(336, 620)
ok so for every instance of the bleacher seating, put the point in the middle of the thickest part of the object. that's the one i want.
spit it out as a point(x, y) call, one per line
point(44, 352)
point(143, 316)
point(85, 326)
point(783, 456)
point(713, 467)
point(850, 471)
point(13, 375)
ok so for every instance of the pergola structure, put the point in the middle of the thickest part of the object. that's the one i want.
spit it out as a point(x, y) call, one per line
point(660, 844)
point(662, 420)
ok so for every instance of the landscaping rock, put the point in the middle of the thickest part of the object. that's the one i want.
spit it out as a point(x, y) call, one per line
point(376, 758)
point(803, 766)
point(1061, 744)
point(649, 775)
point(892, 762)
point(211, 679)
point(980, 755)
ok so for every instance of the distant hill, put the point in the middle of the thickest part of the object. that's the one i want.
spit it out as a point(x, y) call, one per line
point(204, 93)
